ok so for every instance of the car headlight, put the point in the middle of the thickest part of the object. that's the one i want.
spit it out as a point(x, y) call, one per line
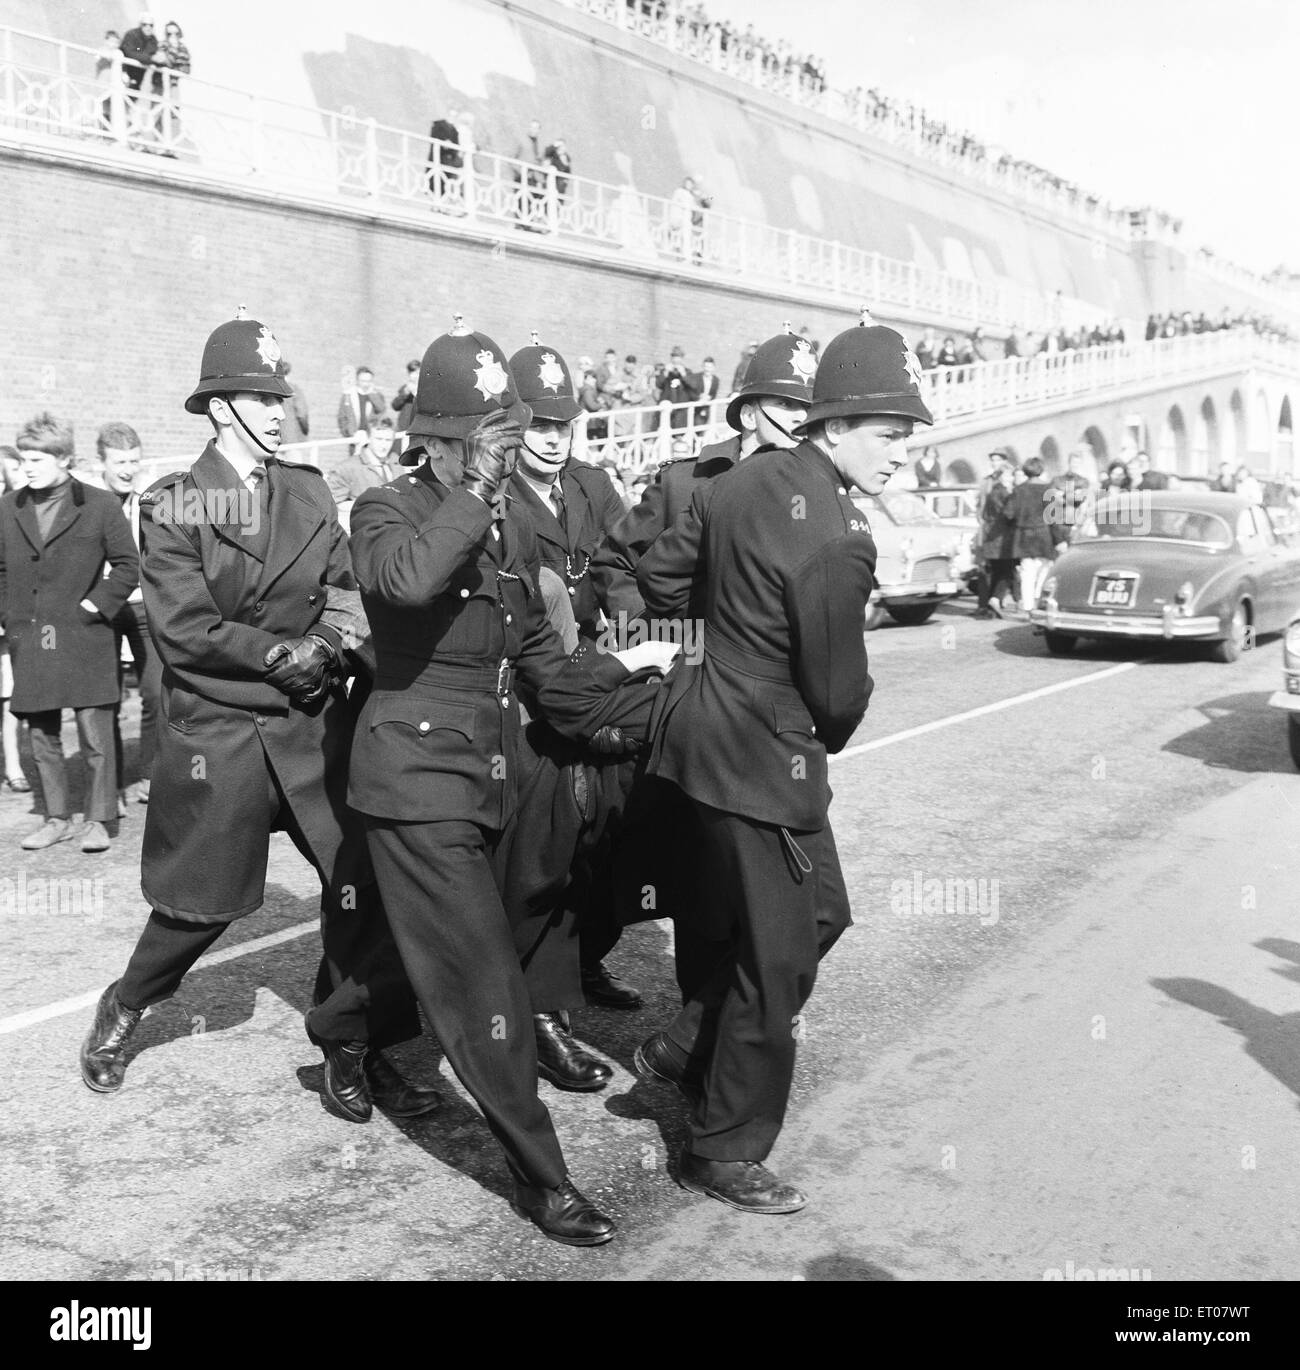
point(1292, 640)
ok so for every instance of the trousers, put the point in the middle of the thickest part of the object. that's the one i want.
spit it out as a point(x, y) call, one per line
point(361, 991)
point(95, 732)
point(458, 946)
point(788, 905)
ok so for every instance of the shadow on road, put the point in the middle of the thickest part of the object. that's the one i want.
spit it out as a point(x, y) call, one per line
point(844, 1268)
point(1271, 1039)
point(1241, 733)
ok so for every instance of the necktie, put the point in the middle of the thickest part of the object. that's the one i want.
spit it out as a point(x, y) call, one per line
point(557, 501)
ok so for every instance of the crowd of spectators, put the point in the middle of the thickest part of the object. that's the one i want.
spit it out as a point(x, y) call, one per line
point(145, 72)
point(1176, 325)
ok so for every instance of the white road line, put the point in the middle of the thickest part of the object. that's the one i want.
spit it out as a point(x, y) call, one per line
point(56, 1010)
point(982, 710)
point(62, 1006)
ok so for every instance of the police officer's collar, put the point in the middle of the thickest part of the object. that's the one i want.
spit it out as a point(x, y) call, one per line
point(813, 456)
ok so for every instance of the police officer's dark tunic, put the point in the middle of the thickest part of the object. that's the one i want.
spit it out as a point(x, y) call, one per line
point(237, 759)
point(784, 681)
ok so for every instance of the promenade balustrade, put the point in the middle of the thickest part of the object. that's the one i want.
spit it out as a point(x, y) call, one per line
point(50, 92)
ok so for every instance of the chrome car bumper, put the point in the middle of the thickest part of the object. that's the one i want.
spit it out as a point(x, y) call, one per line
point(1288, 699)
point(908, 592)
point(1167, 625)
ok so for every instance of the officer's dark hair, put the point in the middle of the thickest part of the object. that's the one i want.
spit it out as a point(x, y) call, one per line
point(45, 433)
point(116, 437)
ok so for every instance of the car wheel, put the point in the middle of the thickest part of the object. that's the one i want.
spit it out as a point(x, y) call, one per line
point(1230, 648)
point(1060, 644)
point(1293, 737)
point(875, 617)
point(909, 615)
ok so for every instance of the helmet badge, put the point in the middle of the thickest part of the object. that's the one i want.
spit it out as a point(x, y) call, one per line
point(268, 349)
point(912, 365)
point(550, 372)
point(492, 379)
point(802, 361)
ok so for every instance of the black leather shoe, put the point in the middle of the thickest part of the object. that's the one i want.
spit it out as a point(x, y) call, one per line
point(566, 1063)
point(655, 1063)
point(606, 990)
point(747, 1185)
point(102, 1066)
point(396, 1096)
point(564, 1214)
point(345, 1079)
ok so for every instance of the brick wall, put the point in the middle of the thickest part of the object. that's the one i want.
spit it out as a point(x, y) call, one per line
point(113, 281)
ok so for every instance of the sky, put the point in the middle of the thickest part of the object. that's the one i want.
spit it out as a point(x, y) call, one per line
point(1188, 105)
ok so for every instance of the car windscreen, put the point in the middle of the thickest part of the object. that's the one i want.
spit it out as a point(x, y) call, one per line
point(1182, 525)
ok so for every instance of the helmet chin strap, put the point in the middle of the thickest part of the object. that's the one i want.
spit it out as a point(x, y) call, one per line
point(776, 423)
point(252, 437)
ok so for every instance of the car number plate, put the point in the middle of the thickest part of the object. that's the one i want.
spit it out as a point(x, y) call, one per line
point(1113, 592)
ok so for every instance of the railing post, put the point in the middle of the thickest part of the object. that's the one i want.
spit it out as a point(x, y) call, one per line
point(468, 183)
point(372, 158)
point(117, 113)
point(552, 202)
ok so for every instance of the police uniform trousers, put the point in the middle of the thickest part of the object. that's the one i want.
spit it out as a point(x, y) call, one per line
point(455, 938)
point(361, 991)
point(788, 905)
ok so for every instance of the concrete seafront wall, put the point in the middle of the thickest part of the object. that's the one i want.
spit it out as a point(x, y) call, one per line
point(122, 279)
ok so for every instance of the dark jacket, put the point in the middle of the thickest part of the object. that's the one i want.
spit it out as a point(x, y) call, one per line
point(452, 611)
point(443, 131)
point(1034, 535)
point(997, 526)
point(220, 590)
point(784, 678)
point(138, 50)
point(592, 509)
point(64, 657)
point(678, 387)
point(662, 504)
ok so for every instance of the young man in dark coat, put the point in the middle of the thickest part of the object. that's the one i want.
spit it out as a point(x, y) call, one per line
point(247, 582)
point(789, 564)
point(57, 608)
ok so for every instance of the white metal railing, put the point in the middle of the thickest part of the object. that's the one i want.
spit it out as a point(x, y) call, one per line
point(900, 124)
point(50, 90)
point(642, 436)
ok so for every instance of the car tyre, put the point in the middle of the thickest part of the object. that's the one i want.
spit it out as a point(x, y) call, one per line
point(909, 615)
point(1060, 644)
point(875, 617)
point(1230, 648)
point(1293, 738)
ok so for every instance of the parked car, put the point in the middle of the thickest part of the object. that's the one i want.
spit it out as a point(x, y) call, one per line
point(1172, 565)
point(1288, 697)
point(914, 565)
point(954, 507)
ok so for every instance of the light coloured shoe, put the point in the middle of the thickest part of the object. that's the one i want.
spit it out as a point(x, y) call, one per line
point(94, 837)
point(51, 831)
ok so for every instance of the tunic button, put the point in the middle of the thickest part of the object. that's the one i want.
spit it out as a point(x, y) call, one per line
point(509, 618)
point(464, 594)
point(260, 605)
point(424, 726)
point(572, 591)
point(505, 701)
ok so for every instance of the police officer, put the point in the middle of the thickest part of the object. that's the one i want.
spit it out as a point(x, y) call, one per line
point(243, 567)
point(574, 507)
point(448, 567)
point(764, 412)
point(789, 562)
point(658, 823)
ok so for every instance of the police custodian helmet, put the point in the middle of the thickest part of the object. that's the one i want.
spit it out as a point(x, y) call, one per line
point(241, 355)
point(464, 377)
point(867, 370)
point(782, 368)
point(544, 382)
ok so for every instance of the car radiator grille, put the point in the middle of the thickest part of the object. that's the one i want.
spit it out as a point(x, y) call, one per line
point(931, 569)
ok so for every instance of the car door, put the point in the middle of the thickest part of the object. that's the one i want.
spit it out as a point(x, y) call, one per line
point(1281, 566)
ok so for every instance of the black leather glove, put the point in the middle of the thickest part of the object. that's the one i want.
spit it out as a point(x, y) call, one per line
point(613, 741)
point(299, 667)
point(490, 454)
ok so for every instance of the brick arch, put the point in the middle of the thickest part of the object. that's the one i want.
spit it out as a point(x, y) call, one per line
point(1205, 437)
point(1173, 452)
